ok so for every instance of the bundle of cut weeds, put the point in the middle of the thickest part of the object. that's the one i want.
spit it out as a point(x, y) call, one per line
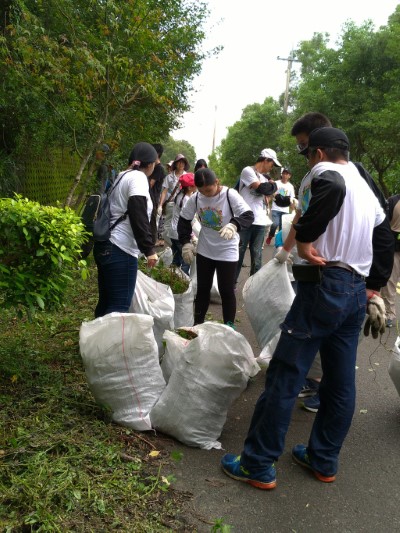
point(170, 275)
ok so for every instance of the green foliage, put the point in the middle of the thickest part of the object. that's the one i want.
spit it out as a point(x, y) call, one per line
point(356, 85)
point(173, 147)
point(220, 526)
point(64, 465)
point(39, 248)
point(170, 276)
point(110, 71)
point(259, 127)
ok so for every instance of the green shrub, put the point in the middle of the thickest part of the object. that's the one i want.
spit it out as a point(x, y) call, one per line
point(39, 247)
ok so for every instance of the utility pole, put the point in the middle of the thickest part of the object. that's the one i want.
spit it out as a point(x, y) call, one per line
point(290, 60)
point(215, 129)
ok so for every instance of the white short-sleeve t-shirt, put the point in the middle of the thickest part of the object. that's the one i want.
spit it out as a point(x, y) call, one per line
point(285, 189)
point(134, 183)
point(254, 199)
point(214, 213)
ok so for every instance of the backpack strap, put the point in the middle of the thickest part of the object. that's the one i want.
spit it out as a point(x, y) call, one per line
point(227, 197)
point(122, 217)
point(229, 202)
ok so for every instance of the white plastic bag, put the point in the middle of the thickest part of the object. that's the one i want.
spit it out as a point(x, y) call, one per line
point(166, 256)
point(154, 299)
point(120, 356)
point(268, 351)
point(169, 210)
point(267, 296)
point(208, 376)
point(394, 365)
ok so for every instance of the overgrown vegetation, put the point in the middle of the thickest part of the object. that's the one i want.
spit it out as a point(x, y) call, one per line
point(168, 275)
point(39, 246)
point(65, 466)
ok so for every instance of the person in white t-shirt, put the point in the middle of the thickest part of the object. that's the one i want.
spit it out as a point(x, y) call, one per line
point(335, 237)
point(187, 188)
point(282, 202)
point(131, 207)
point(253, 187)
point(222, 213)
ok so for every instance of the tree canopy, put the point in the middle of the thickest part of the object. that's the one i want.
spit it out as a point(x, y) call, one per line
point(354, 82)
point(83, 72)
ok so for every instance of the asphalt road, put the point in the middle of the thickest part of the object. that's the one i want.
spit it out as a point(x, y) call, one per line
point(366, 494)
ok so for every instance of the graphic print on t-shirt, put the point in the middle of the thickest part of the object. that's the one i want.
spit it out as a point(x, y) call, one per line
point(211, 218)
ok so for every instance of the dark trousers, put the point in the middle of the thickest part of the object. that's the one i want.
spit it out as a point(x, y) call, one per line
point(116, 278)
point(325, 316)
point(177, 260)
point(226, 276)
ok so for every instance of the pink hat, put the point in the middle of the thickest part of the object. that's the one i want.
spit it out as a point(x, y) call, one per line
point(187, 180)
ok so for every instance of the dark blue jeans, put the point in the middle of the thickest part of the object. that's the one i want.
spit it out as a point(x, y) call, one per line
point(253, 237)
point(116, 278)
point(276, 217)
point(325, 316)
point(177, 260)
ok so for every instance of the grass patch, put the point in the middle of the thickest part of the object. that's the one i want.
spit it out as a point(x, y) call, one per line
point(64, 465)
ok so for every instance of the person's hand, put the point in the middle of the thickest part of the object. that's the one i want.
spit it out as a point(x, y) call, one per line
point(282, 256)
point(228, 231)
point(152, 260)
point(159, 210)
point(307, 251)
point(376, 319)
point(188, 253)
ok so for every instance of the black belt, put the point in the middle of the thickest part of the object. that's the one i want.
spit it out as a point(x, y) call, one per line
point(345, 266)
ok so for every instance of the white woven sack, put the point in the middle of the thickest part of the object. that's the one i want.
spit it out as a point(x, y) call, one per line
point(211, 373)
point(154, 299)
point(394, 365)
point(267, 296)
point(183, 314)
point(120, 356)
point(174, 347)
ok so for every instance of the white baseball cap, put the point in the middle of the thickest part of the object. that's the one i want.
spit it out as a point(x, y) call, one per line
point(268, 153)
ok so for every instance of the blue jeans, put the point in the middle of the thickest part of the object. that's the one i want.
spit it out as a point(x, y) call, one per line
point(116, 278)
point(177, 260)
point(254, 238)
point(276, 217)
point(325, 316)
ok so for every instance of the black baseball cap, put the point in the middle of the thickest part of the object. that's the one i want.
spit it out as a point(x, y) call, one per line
point(327, 138)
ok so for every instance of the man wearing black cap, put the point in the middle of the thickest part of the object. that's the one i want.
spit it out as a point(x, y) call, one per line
point(334, 236)
point(382, 244)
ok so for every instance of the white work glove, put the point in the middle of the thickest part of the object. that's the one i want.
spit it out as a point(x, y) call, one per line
point(376, 317)
point(159, 210)
point(152, 260)
point(282, 256)
point(188, 253)
point(228, 231)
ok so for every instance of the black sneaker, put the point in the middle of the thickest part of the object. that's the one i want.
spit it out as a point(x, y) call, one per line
point(310, 388)
point(312, 403)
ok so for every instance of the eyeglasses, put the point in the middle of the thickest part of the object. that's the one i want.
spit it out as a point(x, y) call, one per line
point(301, 147)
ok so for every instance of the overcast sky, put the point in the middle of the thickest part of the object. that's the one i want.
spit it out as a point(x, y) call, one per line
point(254, 33)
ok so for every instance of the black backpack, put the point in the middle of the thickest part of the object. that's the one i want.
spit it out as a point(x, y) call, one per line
point(96, 216)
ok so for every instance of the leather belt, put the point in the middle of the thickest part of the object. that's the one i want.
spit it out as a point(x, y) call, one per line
point(339, 264)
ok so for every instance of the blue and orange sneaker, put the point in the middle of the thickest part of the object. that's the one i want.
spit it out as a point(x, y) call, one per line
point(266, 480)
point(300, 455)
